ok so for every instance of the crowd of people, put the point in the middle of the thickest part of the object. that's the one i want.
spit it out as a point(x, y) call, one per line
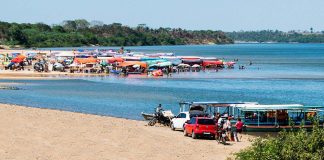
point(224, 123)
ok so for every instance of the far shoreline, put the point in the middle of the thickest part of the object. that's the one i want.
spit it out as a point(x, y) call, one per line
point(116, 47)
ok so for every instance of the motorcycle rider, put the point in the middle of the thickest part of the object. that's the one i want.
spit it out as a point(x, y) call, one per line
point(159, 109)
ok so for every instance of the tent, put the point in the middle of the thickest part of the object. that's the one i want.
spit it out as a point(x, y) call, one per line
point(212, 63)
point(65, 54)
point(132, 63)
point(162, 64)
point(85, 60)
point(115, 59)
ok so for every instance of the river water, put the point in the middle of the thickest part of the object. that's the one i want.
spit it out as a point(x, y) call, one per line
point(280, 73)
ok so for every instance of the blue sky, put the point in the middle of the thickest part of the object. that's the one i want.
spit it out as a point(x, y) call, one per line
point(227, 15)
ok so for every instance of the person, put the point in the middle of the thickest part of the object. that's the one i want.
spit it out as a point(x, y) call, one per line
point(228, 127)
point(239, 128)
point(159, 108)
point(221, 122)
point(121, 50)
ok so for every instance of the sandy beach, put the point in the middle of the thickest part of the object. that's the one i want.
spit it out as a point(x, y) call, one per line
point(33, 133)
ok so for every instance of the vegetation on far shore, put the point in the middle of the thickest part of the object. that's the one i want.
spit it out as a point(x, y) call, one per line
point(277, 36)
point(75, 33)
point(288, 145)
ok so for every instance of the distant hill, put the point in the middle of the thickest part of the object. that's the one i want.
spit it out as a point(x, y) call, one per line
point(74, 33)
point(277, 36)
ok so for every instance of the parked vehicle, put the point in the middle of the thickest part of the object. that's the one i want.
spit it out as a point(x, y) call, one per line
point(58, 67)
point(147, 116)
point(162, 117)
point(177, 123)
point(200, 126)
point(41, 66)
point(221, 135)
point(276, 117)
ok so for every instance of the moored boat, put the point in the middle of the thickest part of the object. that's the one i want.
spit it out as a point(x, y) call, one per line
point(147, 116)
point(274, 118)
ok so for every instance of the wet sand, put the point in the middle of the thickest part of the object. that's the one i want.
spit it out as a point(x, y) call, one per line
point(33, 133)
point(31, 75)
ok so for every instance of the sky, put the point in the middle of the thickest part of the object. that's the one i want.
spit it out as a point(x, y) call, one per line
point(226, 15)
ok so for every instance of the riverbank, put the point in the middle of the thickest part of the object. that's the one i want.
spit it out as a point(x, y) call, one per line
point(33, 133)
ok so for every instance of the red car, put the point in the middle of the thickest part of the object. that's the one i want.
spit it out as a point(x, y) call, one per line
point(200, 126)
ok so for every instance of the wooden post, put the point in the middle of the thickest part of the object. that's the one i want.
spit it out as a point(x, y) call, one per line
point(276, 118)
point(258, 118)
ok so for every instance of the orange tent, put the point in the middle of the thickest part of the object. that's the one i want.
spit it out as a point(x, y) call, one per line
point(85, 60)
point(131, 63)
point(114, 59)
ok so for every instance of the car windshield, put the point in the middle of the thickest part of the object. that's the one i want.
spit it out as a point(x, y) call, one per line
point(206, 121)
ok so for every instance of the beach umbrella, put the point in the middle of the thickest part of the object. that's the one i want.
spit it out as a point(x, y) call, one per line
point(183, 65)
point(136, 66)
point(195, 66)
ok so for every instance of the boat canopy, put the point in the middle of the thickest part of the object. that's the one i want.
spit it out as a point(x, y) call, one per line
point(212, 104)
point(277, 107)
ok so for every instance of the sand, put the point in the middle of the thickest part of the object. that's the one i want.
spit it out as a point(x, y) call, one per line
point(31, 75)
point(33, 133)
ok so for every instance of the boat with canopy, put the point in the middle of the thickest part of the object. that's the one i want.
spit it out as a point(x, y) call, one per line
point(273, 118)
point(258, 117)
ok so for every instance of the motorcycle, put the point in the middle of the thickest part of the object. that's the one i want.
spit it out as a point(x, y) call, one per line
point(221, 136)
point(162, 117)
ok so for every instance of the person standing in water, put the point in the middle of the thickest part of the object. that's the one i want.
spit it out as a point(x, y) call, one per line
point(121, 50)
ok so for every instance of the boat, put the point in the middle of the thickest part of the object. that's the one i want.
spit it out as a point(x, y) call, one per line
point(258, 117)
point(274, 118)
point(209, 108)
point(147, 116)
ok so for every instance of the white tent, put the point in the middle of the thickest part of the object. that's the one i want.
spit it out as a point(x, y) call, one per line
point(65, 54)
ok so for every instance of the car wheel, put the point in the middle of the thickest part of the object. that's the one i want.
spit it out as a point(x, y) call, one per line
point(212, 137)
point(185, 133)
point(172, 127)
point(193, 135)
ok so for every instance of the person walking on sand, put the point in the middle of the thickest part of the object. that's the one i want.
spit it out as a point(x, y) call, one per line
point(239, 128)
point(228, 127)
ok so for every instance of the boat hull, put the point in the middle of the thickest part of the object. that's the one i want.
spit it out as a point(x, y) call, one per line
point(147, 116)
point(275, 129)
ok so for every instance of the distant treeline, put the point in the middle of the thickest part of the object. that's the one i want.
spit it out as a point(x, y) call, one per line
point(74, 33)
point(276, 36)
